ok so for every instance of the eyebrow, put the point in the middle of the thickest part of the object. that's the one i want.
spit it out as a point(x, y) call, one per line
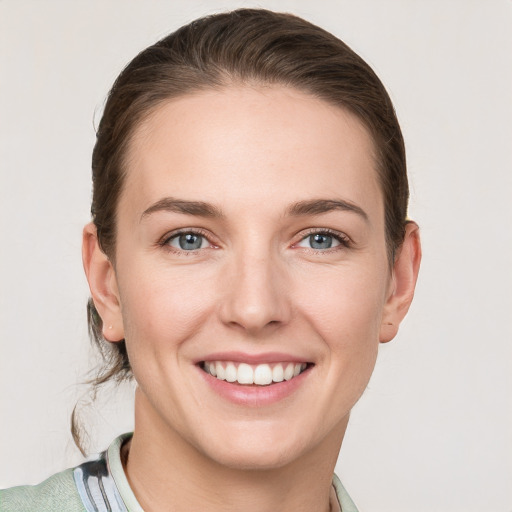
point(202, 209)
point(197, 208)
point(319, 206)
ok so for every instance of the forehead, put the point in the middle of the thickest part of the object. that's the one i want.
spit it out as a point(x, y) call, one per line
point(244, 145)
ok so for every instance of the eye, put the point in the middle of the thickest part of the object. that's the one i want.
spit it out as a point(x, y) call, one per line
point(188, 241)
point(321, 241)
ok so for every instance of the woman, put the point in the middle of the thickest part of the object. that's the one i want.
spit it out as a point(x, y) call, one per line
point(249, 249)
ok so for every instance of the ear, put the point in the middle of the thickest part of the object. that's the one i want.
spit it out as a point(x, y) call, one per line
point(103, 284)
point(402, 284)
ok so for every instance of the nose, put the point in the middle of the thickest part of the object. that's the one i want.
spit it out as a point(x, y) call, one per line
point(256, 297)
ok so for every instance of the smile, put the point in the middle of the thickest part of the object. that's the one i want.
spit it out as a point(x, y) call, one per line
point(253, 374)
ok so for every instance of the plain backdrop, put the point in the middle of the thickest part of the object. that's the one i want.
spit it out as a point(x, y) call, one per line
point(433, 431)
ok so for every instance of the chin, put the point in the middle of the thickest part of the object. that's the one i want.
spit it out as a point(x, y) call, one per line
point(256, 449)
point(258, 458)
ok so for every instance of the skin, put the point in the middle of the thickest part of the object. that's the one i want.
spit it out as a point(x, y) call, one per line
point(256, 285)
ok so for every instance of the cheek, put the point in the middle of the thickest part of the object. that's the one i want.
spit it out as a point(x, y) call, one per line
point(347, 317)
point(348, 310)
point(162, 308)
point(348, 321)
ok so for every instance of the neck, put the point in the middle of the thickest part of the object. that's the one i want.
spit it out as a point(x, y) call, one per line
point(166, 472)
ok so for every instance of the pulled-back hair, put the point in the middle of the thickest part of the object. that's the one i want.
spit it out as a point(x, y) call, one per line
point(246, 46)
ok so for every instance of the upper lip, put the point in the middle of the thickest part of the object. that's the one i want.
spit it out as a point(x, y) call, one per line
point(261, 358)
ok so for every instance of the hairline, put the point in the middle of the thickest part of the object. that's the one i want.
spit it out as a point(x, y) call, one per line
point(232, 80)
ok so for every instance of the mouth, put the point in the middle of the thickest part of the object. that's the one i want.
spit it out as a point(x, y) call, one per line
point(247, 374)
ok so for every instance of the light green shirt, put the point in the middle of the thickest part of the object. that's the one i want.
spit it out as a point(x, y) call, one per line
point(96, 486)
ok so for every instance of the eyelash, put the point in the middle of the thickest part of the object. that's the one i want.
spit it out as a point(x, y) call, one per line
point(343, 240)
point(164, 241)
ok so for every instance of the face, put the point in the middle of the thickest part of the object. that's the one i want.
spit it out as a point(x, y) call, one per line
point(251, 248)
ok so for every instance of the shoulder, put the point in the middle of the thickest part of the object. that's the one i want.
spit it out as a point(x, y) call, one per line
point(89, 487)
point(56, 493)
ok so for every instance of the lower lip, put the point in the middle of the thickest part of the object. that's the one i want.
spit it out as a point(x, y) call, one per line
point(251, 395)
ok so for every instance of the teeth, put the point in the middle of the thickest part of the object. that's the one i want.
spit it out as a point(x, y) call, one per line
point(288, 372)
point(221, 373)
point(231, 373)
point(278, 373)
point(245, 374)
point(261, 374)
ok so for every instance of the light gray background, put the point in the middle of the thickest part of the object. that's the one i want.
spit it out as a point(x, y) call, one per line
point(433, 432)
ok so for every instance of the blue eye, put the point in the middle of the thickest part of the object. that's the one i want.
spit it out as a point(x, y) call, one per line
point(319, 241)
point(188, 241)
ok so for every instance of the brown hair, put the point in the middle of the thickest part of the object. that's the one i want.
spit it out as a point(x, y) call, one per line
point(243, 46)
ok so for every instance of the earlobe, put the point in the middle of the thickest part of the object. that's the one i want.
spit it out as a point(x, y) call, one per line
point(103, 284)
point(405, 275)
